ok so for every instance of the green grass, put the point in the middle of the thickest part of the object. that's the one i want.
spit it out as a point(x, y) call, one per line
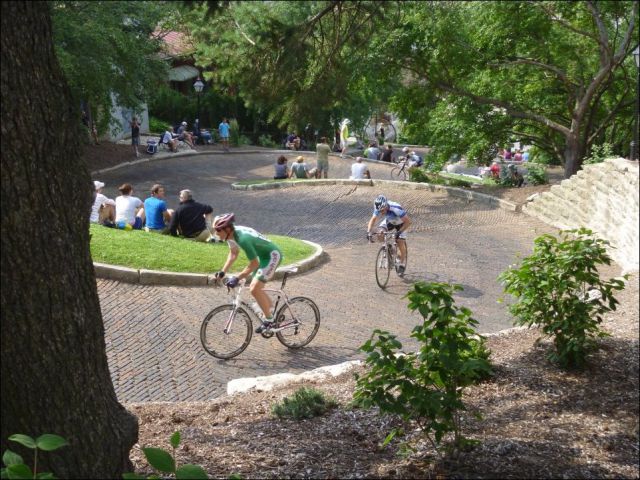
point(270, 180)
point(305, 403)
point(152, 251)
point(480, 181)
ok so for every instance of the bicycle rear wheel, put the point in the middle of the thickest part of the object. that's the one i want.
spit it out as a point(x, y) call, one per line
point(300, 320)
point(398, 173)
point(383, 267)
point(225, 334)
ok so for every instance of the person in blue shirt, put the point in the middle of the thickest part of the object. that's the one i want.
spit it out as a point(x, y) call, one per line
point(223, 130)
point(395, 218)
point(157, 214)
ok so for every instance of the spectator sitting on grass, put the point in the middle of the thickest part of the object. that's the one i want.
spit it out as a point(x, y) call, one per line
point(103, 210)
point(157, 214)
point(192, 219)
point(359, 170)
point(129, 209)
point(281, 170)
point(299, 169)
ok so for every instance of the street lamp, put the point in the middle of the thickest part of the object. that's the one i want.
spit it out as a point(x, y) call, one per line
point(633, 154)
point(198, 86)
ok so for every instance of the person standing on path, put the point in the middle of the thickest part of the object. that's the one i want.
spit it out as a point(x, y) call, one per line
point(322, 154)
point(223, 130)
point(135, 135)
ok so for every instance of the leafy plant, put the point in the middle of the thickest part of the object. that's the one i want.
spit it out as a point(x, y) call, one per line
point(156, 125)
point(164, 462)
point(305, 403)
point(420, 175)
point(537, 155)
point(536, 175)
point(234, 132)
point(426, 386)
point(599, 153)
point(14, 466)
point(267, 141)
point(558, 288)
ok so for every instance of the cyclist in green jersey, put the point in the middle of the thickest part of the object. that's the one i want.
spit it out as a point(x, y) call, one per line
point(263, 255)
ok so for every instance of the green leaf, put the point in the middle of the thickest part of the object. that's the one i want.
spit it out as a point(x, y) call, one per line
point(24, 440)
point(389, 437)
point(46, 475)
point(175, 439)
point(160, 459)
point(19, 471)
point(189, 471)
point(132, 476)
point(49, 442)
point(11, 458)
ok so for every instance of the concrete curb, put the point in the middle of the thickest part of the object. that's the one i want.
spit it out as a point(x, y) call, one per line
point(156, 277)
point(453, 191)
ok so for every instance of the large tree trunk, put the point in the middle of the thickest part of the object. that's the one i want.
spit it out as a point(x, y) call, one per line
point(55, 376)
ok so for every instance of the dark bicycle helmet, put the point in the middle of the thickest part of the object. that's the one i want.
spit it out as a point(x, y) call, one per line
point(223, 221)
point(380, 202)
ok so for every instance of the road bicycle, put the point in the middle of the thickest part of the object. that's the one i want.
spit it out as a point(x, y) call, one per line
point(387, 258)
point(399, 172)
point(227, 330)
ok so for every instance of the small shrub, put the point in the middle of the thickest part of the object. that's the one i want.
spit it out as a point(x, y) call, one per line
point(243, 140)
point(426, 386)
point(536, 175)
point(267, 141)
point(305, 403)
point(156, 125)
point(558, 288)
point(599, 153)
point(14, 466)
point(164, 462)
point(234, 132)
point(420, 175)
point(538, 155)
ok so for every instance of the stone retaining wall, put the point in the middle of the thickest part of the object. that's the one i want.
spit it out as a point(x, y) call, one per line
point(602, 197)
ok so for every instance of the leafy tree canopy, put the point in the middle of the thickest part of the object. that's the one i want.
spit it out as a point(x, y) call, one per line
point(107, 48)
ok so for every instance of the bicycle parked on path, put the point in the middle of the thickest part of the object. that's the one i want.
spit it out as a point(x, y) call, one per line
point(226, 331)
point(387, 258)
point(399, 172)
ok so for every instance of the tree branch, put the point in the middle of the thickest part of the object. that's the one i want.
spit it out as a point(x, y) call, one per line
point(243, 34)
point(605, 123)
point(529, 61)
point(563, 22)
point(603, 41)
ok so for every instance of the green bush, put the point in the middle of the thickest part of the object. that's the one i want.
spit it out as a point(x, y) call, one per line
point(536, 175)
point(426, 386)
point(267, 141)
point(558, 288)
point(420, 175)
point(234, 132)
point(537, 155)
point(156, 125)
point(305, 403)
point(599, 153)
point(14, 466)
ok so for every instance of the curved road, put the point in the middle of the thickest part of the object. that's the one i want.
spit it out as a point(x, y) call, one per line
point(152, 333)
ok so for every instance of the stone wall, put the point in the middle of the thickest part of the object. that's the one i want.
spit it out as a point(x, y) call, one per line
point(602, 197)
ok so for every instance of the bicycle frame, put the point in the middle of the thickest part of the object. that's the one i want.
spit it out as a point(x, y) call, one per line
point(239, 302)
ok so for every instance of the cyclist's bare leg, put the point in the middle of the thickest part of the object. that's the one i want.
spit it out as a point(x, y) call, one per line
point(257, 290)
point(402, 250)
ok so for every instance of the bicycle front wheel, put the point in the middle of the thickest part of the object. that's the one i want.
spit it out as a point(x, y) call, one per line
point(398, 173)
point(383, 267)
point(299, 320)
point(226, 333)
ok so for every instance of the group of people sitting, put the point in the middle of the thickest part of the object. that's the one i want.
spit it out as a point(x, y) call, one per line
point(299, 169)
point(190, 220)
point(171, 139)
point(517, 156)
point(295, 142)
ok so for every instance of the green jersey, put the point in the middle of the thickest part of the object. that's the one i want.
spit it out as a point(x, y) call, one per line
point(253, 244)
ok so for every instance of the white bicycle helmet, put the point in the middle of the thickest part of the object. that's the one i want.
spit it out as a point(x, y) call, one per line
point(380, 202)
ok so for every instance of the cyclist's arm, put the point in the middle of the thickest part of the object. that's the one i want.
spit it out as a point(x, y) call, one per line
point(406, 223)
point(253, 265)
point(233, 254)
point(372, 222)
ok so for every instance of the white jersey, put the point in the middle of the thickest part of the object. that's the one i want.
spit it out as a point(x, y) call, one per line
point(394, 213)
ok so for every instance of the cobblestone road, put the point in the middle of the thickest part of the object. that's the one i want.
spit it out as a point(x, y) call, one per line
point(152, 333)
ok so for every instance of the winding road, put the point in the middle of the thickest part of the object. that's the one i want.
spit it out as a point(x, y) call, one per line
point(152, 332)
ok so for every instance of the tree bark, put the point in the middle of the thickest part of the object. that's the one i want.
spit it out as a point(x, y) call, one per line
point(55, 376)
point(572, 156)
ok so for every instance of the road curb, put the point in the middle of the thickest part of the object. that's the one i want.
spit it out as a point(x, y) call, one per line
point(157, 277)
point(470, 196)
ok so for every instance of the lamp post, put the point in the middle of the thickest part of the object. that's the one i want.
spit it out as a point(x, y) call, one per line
point(198, 86)
point(633, 154)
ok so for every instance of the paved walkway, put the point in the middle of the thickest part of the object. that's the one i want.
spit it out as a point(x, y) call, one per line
point(152, 333)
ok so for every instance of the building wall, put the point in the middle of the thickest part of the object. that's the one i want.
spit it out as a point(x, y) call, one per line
point(121, 116)
point(602, 197)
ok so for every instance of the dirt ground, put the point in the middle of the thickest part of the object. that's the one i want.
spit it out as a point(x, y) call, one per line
point(536, 421)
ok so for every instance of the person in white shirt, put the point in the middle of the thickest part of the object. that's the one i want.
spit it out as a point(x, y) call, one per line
point(129, 210)
point(168, 139)
point(359, 170)
point(103, 208)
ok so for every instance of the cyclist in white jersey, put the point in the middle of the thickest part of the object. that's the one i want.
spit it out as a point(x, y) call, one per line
point(395, 218)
